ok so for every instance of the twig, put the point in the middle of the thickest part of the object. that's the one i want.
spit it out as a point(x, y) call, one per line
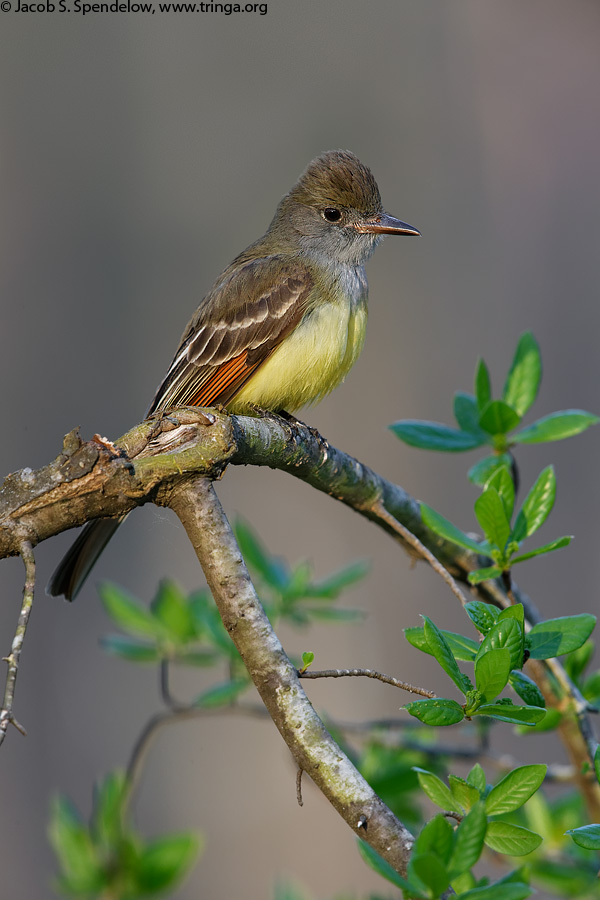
point(366, 673)
point(6, 714)
point(421, 549)
point(145, 740)
point(299, 787)
point(165, 688)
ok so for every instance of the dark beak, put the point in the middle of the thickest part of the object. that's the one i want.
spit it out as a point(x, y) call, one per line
point(384, 224)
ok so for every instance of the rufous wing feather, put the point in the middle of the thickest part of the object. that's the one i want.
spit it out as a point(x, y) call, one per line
point(235, 330)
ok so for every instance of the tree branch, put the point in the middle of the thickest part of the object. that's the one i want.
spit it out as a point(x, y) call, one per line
point(276, 679)
point(93, 479)
point(366, 673)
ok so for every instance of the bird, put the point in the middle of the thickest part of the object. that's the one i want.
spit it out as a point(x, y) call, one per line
point(283, 323)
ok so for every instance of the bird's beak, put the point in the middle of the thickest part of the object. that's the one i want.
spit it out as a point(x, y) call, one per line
point(384, 224)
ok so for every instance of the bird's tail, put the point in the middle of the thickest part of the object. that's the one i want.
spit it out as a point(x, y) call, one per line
point(79, 560)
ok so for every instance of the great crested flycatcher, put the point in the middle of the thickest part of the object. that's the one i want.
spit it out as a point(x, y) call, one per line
point(282, 325)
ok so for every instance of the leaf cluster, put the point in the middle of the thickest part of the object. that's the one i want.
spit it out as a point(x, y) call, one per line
point(291, 593)
point(483, 421)
point(560, 864)
point(107, 857)
point(443, 856)
point(497, 660)
point(187, 629)
point(494, 510)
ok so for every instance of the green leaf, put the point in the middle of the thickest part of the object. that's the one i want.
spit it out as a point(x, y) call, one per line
point(520, 875)
point(435, 436)
point(171, 608)
point(551, 720)
point(468, 841)
point(506, 633)
point(523, 379)
point(537, 506)
point(514, 789)
point(482, 615)
point(430, 870)
point(80, 868)
point(497, 891)
point(308, 657)
point(516, 715)
point(515, 611)
point(483, 470)
point(415, 635)
point(483, 388)
point(466, 414)
point(539, 551)
point(437, 523)
point(597, 764)
point(436, 712)
point(436, 790)
point(591, 688)
point(502, 480)
point(130, 649)
point(463, 792)
point(165, 861)
point(382, 867)
point(129, 613)
point(498, 418)
point(513, 840)
point(491, 515)
point(588, 836)
point(189, 656)
point(332, 586)
point(462, 647)
point(476, 777)
point(438, 836)
point(479, 575)
point(578, 661)
point(463, 882)
point(222, 694)
point(333, 614)
point(107, 816)
point(557, 636)
point(444, 656)
point(556, 427)
point(491, 672)
point(526, 689)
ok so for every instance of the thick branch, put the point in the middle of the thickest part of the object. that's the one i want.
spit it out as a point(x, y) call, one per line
point(276, 679)
point(94, 479)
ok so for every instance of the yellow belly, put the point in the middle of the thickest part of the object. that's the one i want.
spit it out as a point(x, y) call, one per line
point(310, 362)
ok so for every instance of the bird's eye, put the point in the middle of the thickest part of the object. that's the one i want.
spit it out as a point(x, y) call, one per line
point(331, 214)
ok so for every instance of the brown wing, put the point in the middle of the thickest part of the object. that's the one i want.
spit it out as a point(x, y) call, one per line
point(234, 330)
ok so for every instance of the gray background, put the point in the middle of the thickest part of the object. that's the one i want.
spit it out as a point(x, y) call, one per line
point(139, 154)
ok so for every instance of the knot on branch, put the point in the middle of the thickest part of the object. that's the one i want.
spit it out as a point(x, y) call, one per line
point(96, 478)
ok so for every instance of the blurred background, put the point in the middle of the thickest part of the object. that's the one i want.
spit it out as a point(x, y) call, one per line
point(138, 155)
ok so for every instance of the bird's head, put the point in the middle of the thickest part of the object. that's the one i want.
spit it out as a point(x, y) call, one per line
point(334, 210)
